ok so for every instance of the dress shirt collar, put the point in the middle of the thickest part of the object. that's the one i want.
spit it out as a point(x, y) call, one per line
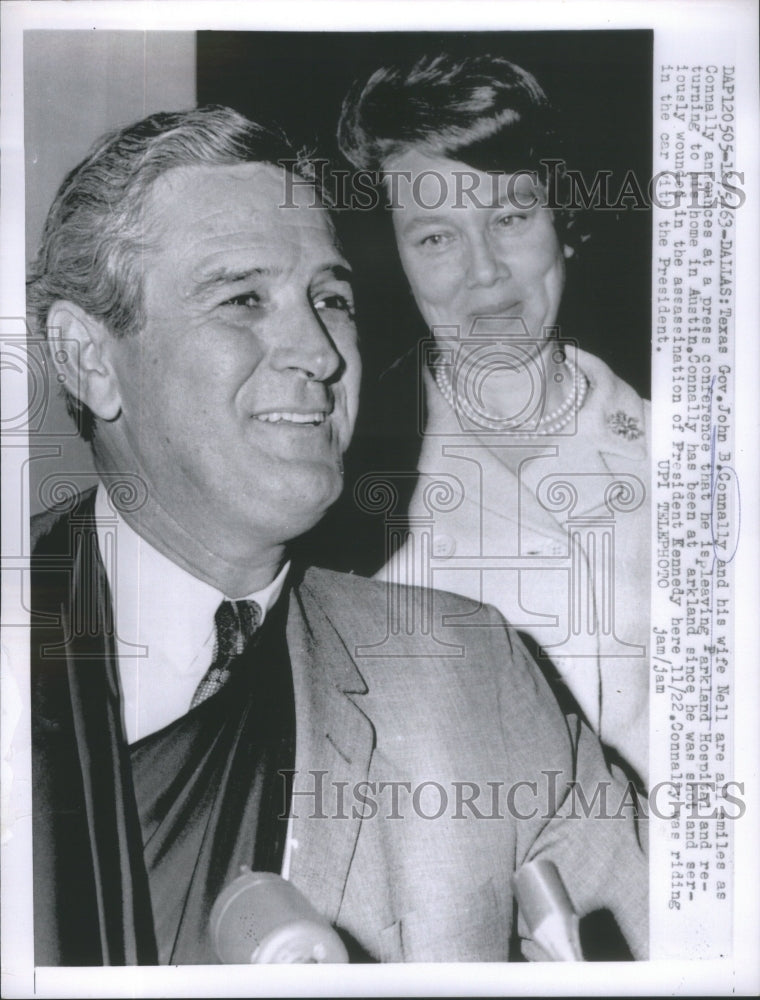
point(164, 619)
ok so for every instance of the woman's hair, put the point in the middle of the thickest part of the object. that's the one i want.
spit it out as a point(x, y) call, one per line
point(482, 110)
point(476, 109)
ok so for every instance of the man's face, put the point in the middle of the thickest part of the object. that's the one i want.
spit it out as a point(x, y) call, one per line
point(472, 252)
point(239, 394)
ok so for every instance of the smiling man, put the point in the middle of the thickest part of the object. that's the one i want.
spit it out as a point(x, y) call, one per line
point(183, 667)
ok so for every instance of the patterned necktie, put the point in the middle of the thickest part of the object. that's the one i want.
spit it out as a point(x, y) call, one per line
point(236, 624)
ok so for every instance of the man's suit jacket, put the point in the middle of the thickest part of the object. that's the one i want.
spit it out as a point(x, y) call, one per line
point(454, 720)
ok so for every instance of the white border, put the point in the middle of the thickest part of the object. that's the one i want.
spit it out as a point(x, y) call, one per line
point(739, 974)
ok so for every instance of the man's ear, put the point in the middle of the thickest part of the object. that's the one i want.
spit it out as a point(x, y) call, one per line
point(80, 356)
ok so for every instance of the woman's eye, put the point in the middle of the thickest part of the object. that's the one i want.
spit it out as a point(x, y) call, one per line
point(511, 221)
point(335, 301)
point(435, 240)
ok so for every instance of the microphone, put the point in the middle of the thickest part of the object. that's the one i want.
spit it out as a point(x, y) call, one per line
point(260, 918)
point(547, 910)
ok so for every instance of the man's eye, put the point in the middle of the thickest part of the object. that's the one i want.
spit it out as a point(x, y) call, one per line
point(248, 300)
point(334, 301)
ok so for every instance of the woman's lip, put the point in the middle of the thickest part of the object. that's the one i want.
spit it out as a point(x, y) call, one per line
point(509, 322)
point(509, 311)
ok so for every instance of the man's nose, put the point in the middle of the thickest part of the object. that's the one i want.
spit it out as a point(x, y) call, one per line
point(485, 265)
point(306, 347)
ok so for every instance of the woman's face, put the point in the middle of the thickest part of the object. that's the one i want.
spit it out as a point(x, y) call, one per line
point(479, 250)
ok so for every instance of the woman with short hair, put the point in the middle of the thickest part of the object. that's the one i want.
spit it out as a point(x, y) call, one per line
point(540, 452)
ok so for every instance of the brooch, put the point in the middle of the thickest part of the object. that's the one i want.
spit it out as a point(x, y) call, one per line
point(627, 427)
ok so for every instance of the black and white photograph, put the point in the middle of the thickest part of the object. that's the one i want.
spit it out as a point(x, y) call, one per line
point(376, 492)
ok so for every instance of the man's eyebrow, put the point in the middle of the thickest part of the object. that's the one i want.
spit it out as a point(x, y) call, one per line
point(207, 281)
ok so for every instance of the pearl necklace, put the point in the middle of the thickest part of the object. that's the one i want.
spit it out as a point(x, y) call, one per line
point(549, 423)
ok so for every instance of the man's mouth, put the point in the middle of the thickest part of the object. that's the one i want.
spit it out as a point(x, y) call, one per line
point(287, 417)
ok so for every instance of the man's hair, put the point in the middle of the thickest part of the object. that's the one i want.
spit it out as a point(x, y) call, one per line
point(96, 231)
point(481, 110)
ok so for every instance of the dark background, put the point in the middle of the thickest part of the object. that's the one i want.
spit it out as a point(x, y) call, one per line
point(601, 84)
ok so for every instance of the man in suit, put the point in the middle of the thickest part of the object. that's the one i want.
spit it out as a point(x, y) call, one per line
point(200, 320)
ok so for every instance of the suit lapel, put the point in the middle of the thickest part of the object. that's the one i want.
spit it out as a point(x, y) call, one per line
point(126, 923)
point(334, 743)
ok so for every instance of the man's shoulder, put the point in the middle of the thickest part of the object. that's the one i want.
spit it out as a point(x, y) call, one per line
point(350, 590)
point(453, 653)
point(404, 620)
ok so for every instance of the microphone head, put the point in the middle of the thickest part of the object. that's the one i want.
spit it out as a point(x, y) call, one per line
point(547, 910)
point(540, 892)
point(260, 918)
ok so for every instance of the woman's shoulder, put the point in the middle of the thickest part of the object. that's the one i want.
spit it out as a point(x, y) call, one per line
point(615, 412)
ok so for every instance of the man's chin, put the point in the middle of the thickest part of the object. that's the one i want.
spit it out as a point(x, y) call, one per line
point(311, 495)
